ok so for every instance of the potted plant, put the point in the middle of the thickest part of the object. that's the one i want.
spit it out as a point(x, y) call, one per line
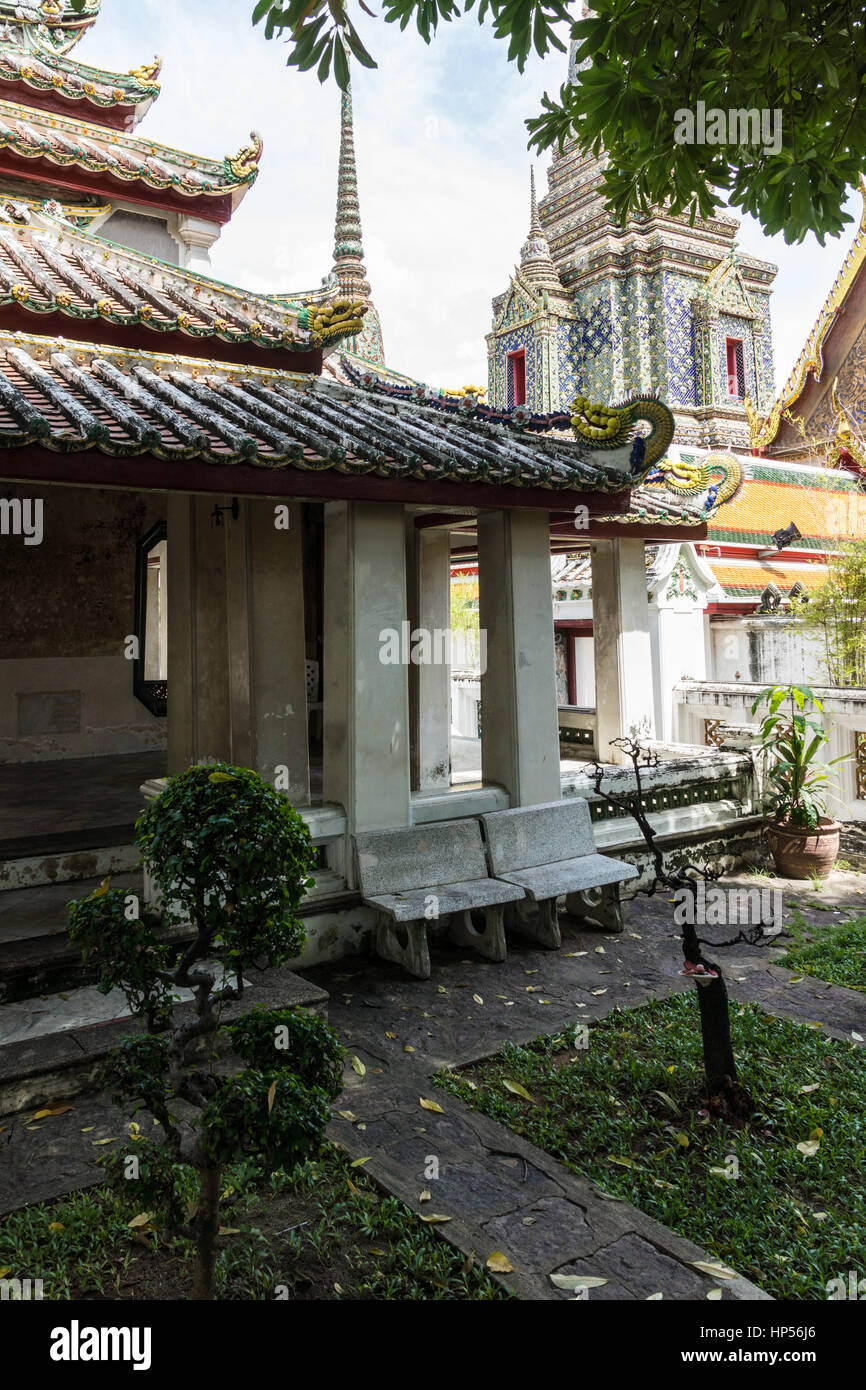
point(803, 840)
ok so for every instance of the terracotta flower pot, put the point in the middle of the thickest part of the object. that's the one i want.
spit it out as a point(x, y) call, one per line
point(799, 851)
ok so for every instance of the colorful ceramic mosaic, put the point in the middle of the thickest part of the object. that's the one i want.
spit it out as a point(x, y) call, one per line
point(648, 308)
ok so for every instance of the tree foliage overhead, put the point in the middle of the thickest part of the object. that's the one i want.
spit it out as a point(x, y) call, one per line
point(642, 62)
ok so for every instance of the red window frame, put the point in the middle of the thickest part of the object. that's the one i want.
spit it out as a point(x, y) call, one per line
point(517, 368)
point(731, 345)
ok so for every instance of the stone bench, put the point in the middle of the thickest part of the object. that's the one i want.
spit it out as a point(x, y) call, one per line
point(549, 851)
point(426, 874)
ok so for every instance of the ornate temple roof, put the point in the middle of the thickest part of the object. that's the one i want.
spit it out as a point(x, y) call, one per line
point(34, 41)
point(55, 143)
point(750, 580)
point(49, 25)
point(48, 267)
point(810, 363)
point(72, 398)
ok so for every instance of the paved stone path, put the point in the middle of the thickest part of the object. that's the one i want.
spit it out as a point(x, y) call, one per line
point(501, 1192)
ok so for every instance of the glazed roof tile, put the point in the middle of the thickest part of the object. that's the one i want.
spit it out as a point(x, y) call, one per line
point(742, 581)
point(72, 398)
point(35, 134)
point(48, 267)
point(762, 507)
point(78, 82)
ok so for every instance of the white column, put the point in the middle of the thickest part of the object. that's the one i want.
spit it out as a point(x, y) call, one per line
point(366, 698)
point(520, 735)
point(278, 647)
point(236, 660)
point(621, 637)
point(197, 236)
point(429, 557)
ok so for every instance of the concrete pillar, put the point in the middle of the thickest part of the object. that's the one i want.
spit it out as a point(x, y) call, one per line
point(429, 591)
point(520, 736)
point(621, 637)
point(196, 236)
point(236, 660)
point(366, 697)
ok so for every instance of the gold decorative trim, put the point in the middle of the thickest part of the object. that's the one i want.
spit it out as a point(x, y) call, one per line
point(763, 430)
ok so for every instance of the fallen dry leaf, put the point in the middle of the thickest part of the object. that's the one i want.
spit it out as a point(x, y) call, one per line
point(576, 1281)
point(516, 1089)
point(431, 1105)
point(712, 1267)
point(499, 1263)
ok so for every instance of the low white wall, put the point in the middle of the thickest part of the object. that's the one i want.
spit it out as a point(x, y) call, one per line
point(844, 717)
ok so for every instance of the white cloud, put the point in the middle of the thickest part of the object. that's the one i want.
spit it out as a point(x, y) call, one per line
point(443, 170)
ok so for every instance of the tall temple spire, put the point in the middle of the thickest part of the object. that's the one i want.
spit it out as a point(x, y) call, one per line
point(348, 268)
point(536, 262)
point(348, 246)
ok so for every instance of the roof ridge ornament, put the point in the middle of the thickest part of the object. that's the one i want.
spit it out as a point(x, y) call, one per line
point(148, 74)
point(244, 166)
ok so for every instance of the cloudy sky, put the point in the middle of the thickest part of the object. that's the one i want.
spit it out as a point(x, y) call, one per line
point(442, 162)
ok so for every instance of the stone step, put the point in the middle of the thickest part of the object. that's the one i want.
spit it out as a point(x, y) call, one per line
point(36, 957)
point(54, 1047)
point(36, 861)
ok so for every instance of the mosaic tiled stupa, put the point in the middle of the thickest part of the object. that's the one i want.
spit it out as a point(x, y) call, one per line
point(656, 305)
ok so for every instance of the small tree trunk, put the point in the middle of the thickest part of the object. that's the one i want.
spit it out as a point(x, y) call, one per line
point(206, 1231)
point(725, 1095)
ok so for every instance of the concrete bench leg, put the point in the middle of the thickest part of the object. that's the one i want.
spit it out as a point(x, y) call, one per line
point(536, 920)
point(490, 942)
point(597, 908)
point(414, 956)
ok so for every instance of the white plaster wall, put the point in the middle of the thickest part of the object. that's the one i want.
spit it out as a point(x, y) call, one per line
point(766, 650)
point(584, 670)
point(112, 719)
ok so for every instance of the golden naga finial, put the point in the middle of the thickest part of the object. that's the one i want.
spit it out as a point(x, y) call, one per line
point(148, 73)
point(762, 429)
point(245, 164)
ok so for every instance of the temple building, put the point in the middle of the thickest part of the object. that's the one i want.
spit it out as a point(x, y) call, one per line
point(219, 512)
point(656, 305)
point(597, 312)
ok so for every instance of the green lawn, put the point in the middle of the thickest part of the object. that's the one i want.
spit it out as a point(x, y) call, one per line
point(830, 951)
point(326, 1234)
point(626, 1112)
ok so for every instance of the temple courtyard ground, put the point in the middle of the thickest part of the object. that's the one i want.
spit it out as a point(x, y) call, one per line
point(503, 1213)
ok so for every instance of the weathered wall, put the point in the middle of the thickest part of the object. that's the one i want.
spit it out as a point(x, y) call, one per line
point(66, 606)
point(764, 650)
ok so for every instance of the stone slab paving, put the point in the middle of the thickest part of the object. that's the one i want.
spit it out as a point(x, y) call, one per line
point(501, 1192)
point(504, 1194)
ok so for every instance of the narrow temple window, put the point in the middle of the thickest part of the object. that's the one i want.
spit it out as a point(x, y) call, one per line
point(516, 378)
point(736, 370)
